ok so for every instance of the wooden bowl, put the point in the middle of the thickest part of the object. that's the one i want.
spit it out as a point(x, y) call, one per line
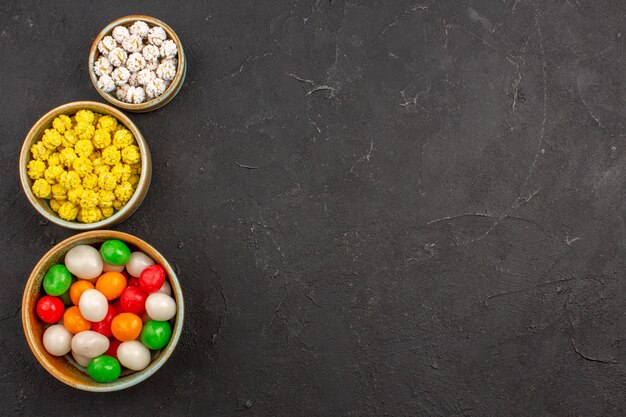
point(64, 368)
point(43, 206)
point(171, 90)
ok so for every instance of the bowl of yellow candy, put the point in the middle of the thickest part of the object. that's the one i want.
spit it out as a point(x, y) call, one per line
point(85, 165)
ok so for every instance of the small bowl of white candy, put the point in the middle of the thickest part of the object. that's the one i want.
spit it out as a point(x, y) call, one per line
point(137, 63)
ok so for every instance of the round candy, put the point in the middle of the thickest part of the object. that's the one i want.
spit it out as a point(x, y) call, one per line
point(160, 307)
point(156, 334)
point(93, 305)
point(137, 263)
point(84, 261)
point(57, 340)
point(74, 322)
point(126, 326)
point(152, 278)
point(90, 344)
point(78, 288)
point(133, 355)
point(133, 300)
point(133, 282)
point(115, 268)
point(104, 369)
point(112, 351)
point(57, 280)
point(115, 252)
point(165, 288)
point(111, 284)
point(80, 359)
point(104, 326)
point(50, 309)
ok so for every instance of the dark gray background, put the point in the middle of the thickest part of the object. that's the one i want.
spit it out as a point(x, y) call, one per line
point(434, 224)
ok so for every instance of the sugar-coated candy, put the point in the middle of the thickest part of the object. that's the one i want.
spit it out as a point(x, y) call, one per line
point(93, 305)
point(80, 359)
point(166, 288)
point(90, 344)
point(111, 284)
point(120, 33)
point(57, 340)
point(104, 369)
point(104, 327)
point(84, 261)
point(115, 252)
point(126, 326)
point(152, 278)
point(57, 280)
point(137, 263)
point(160, 307)
point(133, 355)
point(74, 322)
point(115, 268)
point(133, 300)
point(50, 309)
point(156, 334)
point(78, 288)
point(112, 351)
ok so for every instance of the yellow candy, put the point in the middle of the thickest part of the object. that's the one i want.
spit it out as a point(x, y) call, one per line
point(107, 181)
point(36, 169)
point(124, 191)
point(90, 181)
point(121, 172)
point(41, 188)
point(84, 116)
point(131, 154)
point(82, 166)
point(100, 169)
point(101, 138)
point(54, 159)
point(67, 156)
point(134, 180)
point(74, 194)
point(106, 198)
point(88, 199)
point(111, 155)
point(84, 131)
point(52, 173)
point(62, 123)
point(58, 192)
point(69, 138)
point(69, 180)
point(89, 215)
point(107, 211)
point(55, 205)
point(123, 138)
point(68, 211)
point(117, 205)
point(51, 139)
point(83, 147)
point(95, 155)
point(39, 151)
point(107, 123)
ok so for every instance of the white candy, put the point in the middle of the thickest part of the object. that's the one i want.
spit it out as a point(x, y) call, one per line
point(157, 35)
point(122, 91)
point(150, 52)
point(133, 355)
point(93, 305)
point(84, 261)
point(117, 57)
point(106, 83)
point(135, 95)
point(102, 66)
point(120, 33)
point(108, 268)
point(166, 71)
point(160, 307)
point(137, 263)
point(106, 45)
point(80, 359)
point(133, 81)
point(155, 88)
point(152, 65)
point(132, 43)
point(140, 29)
point(120, 76)
point(168, 49)
point(165, 288)
point(90, 344)
point(145, 76)
point(135, 62)
point(57, 340)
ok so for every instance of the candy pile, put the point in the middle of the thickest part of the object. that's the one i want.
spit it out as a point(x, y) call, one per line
point(87, 165)
point(104, 318)
point(138, 62)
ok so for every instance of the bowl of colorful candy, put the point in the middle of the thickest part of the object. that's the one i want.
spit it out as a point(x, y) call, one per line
point(102, 311)
point(85, 165)
point(137, 63)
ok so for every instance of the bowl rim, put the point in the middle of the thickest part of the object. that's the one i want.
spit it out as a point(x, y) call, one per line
point(133, 378)
point(171, 89)
point(144, 177)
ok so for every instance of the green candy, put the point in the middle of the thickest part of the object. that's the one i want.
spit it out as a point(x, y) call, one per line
point(57, 280)
point(104, 369)
point(115, 252)
point(156, 334)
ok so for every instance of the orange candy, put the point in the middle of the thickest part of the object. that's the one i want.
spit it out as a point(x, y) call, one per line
point(126, 326)
point(74, 322)
point(111, 284)
point(78, 288)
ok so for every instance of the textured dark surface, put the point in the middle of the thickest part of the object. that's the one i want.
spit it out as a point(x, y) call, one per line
point(376, 208)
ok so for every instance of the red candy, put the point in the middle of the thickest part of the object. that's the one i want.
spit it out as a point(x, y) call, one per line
point(113, 345)
point(104, 326)
point(152, 278)
point(133, 300)
point(50, 309)
point(133, 282)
